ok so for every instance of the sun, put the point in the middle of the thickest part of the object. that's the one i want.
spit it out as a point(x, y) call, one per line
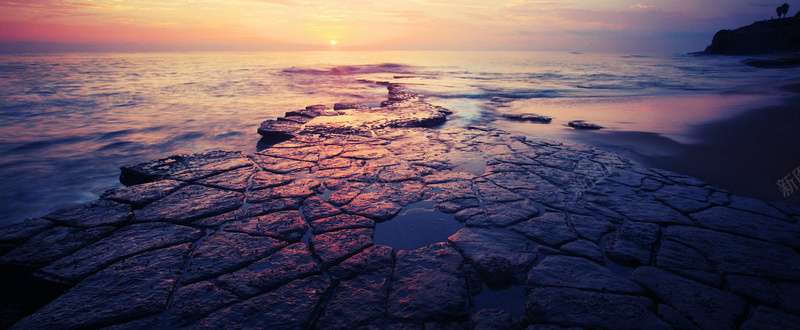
point(334, 42)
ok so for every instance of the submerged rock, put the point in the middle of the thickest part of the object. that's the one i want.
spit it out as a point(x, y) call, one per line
point(528, 117)
point(580, 124)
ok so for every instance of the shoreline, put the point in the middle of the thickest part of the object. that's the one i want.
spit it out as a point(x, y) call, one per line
point(293, 237)
point(747, 153)
point(740, 140)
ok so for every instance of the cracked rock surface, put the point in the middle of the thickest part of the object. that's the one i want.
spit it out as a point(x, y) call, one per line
point(284, 239)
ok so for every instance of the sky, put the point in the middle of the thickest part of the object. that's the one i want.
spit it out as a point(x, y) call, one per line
point(568, 25)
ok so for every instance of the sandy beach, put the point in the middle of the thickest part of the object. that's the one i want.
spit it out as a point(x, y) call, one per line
point(743, 140)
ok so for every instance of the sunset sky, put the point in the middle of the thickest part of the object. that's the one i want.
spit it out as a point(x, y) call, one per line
point(574, 25)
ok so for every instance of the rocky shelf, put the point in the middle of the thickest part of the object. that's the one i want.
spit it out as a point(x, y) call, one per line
point(284, 239)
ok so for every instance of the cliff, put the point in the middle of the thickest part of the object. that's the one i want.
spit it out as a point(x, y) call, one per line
point(764, 37)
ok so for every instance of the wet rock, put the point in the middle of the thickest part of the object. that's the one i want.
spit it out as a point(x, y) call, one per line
point(121, 244)
point(284, 225)
point(356, 302)
point(132, 288)
point(314, 208)
point(591, 228)
point(292, 262)
point(190, 203)
point(571, 307)
point(394, 114)
point(584, 248)
point(448, 177)
point(492, 319)
point(738, 255)
point(402, 193)
point(750, 225)
point(52, 244)
point(332, 247)
point(428, 285)
point(347, 106)
point(506, 214)
point(674, 318)
point(578, 273)
point(646, 211)
point(769, 318)
point(184, 167)
point(501, 258)
point(398, 173)
point(528, 117)
point(708, 307)
point(364, 152)
point(790, 296)
point(550, 229)
point(296, 189)
point(278, 129)
point(373, 206)
point(674, 255)
point(651, 185)
point(580, 124)
point(757, 206)
point(719, 199)
point(263, 180)
point(292, 306)
point(141, 194)
point(21, 232)
point(312, 153)
point(223, 252)
point(295, 119)
point(313, 111)
point(691, 192)
point(97, 213)
point(231, 180)
point(491, 192)
point(194, 301)
point(339, 163)
point(753, 288)
point(281, 165)
point(683, 205)
point(273, 205)
point(680, 178)
point(624, 177)
point(148, 322)
point(633, 244)
point(341, 221)
point(346, 193)
point(374, 260)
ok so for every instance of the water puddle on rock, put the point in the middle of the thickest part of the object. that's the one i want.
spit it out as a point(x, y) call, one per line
point(511, 300)
point(416, 226)
point(469, 162)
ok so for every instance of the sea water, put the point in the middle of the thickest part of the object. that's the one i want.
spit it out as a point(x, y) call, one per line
point(69, 121)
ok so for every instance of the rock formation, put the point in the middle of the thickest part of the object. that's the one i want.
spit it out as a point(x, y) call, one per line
point(764, 37)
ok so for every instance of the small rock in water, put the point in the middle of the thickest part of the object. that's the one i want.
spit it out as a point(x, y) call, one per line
point(580, 124)
point(528, 117)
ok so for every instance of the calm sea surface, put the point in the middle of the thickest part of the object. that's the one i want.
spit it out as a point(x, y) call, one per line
point(68, 121)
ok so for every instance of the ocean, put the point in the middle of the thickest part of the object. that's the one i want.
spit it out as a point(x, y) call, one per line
point(69, 121)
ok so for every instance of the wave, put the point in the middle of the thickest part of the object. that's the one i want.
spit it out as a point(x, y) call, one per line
point(345, 70)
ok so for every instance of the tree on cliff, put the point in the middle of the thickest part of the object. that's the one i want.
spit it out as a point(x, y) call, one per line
point(779, 11)
point(785, 9)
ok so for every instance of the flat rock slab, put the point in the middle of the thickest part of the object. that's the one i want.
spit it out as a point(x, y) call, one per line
point(129, 289)
point(429, 285)
point(283, 238)
point(501, 258)
point(190, 203)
